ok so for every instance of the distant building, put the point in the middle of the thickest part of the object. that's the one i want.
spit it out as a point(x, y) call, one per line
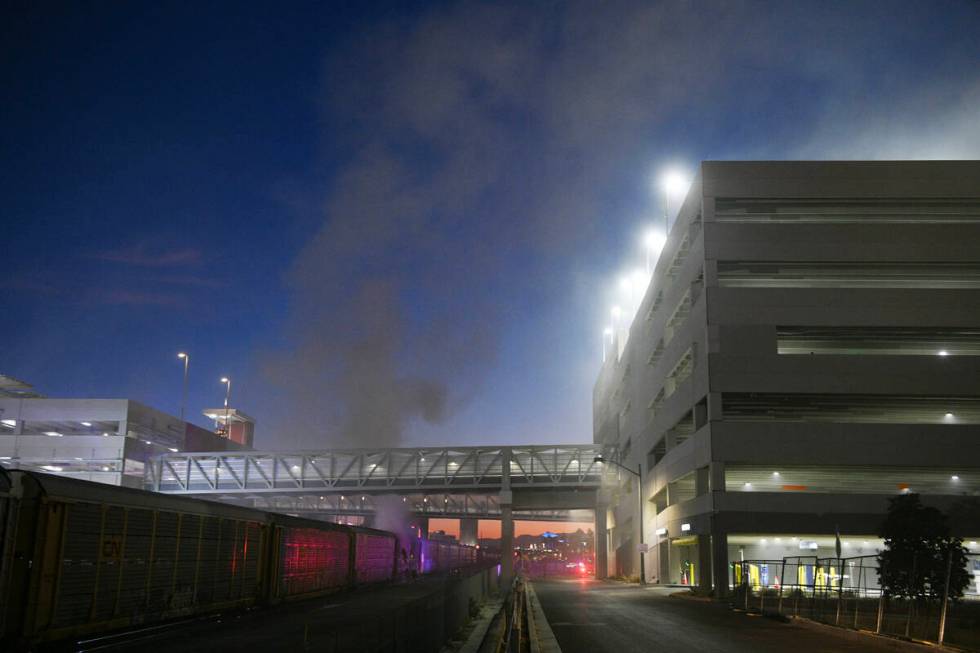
point(103, 440)
point(808, 346)
point(232, 424)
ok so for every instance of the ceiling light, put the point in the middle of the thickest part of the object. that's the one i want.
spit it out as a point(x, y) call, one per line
point(943, 352)
point(53, 434)
point(86, 423)
point(954, 477)
point(51, 468)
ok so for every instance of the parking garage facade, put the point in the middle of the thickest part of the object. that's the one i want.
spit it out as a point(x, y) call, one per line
point(807, 347)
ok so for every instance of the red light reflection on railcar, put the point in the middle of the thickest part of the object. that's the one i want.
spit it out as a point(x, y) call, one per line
point(314, 559)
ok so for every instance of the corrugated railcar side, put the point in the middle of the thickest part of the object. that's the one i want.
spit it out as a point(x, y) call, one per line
point(375, 556)
point(311, 560)
point(90, 558)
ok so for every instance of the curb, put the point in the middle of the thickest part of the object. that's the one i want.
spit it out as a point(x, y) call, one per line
point(543, 638)
point(488, 611)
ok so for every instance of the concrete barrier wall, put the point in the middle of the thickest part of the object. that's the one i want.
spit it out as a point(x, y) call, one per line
point(421, 626)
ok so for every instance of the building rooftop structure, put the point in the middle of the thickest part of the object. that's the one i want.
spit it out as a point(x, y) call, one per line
point(103, 440)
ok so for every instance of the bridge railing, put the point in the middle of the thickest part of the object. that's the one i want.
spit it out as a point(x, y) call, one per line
point(416, 469)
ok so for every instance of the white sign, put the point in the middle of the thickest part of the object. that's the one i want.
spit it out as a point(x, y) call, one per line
point(643, 548)
point(808, 545)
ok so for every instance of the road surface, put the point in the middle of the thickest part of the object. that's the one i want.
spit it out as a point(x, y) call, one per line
point(589, 616)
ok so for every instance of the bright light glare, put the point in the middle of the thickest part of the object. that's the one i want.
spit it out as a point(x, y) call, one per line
point(616, 312)
point(654, 241)
point(675, 183)
point(86, 423)
point(943, 352)
point(224, 379)
point(625, 283)
point(181, 355)
point(52, 468)
point(9, 422)
point(606, 332)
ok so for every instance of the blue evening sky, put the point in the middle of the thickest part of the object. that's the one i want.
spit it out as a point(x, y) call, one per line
point(402, 223)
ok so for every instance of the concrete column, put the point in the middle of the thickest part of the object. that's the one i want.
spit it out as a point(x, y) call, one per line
point(719, 555)
point(422, 524)
point(716, 472)
point(601, 536)
point(702, 481)
point(506, 543)
point(506, 521)
point(704, 563)
point(468, 529)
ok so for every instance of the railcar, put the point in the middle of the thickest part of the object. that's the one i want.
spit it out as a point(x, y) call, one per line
point(81, 558)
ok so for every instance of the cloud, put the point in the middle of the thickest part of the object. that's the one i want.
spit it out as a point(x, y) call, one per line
point(142, 255)
point(189, 280)
point(121, 297)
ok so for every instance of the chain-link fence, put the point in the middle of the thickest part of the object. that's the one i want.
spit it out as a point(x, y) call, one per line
point(847, 592)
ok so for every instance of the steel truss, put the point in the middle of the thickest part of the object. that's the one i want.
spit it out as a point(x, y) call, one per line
point(377, 471)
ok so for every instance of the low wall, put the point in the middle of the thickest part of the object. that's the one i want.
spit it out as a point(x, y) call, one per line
point(420, 626)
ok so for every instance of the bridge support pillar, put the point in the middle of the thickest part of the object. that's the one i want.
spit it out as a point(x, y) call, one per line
point(506, 522)
point(601, 536)
point(468, 529)
point(422, 524)
point(506, 540)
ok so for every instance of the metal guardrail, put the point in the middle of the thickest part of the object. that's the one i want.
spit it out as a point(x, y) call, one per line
point(847, 592)
point(377, 470)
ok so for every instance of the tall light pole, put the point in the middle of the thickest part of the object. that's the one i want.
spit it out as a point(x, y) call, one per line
point(674, 184)
point(227, 383)
point(653, 243)
point(183, 396)
point(639, 504)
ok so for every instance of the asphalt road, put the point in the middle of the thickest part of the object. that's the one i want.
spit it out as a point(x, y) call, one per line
point(591, 616)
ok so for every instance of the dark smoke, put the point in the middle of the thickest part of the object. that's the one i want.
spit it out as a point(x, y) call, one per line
point(473, 155)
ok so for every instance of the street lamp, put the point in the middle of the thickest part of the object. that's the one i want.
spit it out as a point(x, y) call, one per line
point(227, 383)
point(674, 183)
point(183, 397)
point(639, 503)
point(653, 243)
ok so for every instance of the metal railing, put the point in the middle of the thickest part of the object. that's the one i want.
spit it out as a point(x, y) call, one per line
point(450, 505)
point(847, 592)
point(386, 470)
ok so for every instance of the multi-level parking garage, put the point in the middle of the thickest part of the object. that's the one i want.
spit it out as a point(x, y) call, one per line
point(807, 347)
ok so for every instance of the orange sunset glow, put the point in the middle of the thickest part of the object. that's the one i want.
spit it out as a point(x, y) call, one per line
point(490, 528)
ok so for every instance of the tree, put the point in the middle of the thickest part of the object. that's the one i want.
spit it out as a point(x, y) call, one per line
point(917, 547)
